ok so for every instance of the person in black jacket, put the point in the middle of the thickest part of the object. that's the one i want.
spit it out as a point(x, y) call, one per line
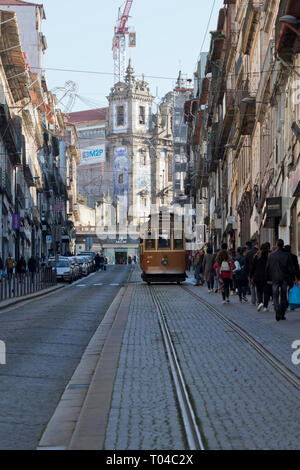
point(294, 258)
point(241, 278)
point(258, 277)
point(280, 270)
point(21, 268)
point(248, 266)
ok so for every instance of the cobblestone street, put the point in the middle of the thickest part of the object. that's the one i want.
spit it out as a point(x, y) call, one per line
point(237, 395)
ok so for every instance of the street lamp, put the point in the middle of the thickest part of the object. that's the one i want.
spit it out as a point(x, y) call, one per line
point(250, 100)
point(290, 20)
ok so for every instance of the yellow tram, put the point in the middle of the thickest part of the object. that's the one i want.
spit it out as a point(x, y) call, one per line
point(163, 255)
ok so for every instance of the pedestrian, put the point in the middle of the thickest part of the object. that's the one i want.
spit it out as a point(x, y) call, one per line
point(248, 266)
point(134, 260)
point(208, 269)
point(190, 261)
point(10, 264)
point(224, 267)
point(97, 261)
point(216, 283)
point(199, 255)
point(101, 262)
point(241, 278)
point(21, 268)
point(259, 278)
point(294, 258)
point(280, 270)
point(32, 267)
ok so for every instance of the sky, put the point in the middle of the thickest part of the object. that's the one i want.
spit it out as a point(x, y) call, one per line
point(170, 34)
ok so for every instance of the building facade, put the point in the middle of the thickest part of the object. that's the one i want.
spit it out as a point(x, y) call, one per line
point(247, 157)
point(37, 148)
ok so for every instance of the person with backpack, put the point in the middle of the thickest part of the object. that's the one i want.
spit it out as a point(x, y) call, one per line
point(241, 278)
point(224, 267)
point(259, 279)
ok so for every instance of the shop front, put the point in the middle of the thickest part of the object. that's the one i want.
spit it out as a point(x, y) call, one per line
point(121, 250)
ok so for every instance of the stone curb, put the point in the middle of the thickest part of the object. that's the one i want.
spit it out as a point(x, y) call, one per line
point(91, 427)
point(4, 304)
point(64, 422)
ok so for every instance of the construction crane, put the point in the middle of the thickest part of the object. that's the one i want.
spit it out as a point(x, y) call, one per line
point(119, 42)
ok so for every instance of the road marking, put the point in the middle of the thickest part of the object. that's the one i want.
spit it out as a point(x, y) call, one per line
point(114, 284)
point(81, 285)
point(98, 284)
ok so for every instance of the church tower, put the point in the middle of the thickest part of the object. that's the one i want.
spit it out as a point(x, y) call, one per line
point(129, 132)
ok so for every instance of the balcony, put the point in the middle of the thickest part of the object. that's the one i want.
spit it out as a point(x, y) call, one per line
point(8, 186)
point(246, 112)
point(250, 23)
point(287, 39)
point(12, 134)
point(28, 176)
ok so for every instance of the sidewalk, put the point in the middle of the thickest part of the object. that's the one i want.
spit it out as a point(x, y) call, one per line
point(277, 337)
point(4, 304)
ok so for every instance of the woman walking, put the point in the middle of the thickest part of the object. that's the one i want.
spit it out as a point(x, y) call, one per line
point(224, 267)
point(241, 278)
point(258, 277)
point(208, 269)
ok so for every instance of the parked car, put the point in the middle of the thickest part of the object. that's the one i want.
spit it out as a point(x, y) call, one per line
point(91, 255)
point(64, 270)
point(85, 265)
point(76, 267)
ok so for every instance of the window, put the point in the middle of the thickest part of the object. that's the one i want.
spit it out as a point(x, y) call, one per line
point(164, 239)
point(120, 115)
point(178, 244)
point(142, 119)
point(121, 178)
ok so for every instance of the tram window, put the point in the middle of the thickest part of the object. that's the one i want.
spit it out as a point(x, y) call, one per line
point(150, 244)
point(164, 240)
point(178, 244)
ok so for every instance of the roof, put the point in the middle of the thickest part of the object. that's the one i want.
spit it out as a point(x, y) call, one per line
point(18, 2)
point(89, 115)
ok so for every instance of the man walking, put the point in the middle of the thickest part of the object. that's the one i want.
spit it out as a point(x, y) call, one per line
point(10, 264)
point(279, 270)
point(248, 267)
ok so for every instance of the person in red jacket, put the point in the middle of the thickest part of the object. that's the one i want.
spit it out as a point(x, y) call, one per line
point(224, 267)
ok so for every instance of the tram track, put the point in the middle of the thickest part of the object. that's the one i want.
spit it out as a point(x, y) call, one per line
point(192, 433)
point(267, 355)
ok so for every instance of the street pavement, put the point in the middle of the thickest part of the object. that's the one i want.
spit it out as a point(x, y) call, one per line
point(45, 339)
point(241, 401)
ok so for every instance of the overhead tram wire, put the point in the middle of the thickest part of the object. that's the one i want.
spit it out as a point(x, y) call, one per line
point(205, 34)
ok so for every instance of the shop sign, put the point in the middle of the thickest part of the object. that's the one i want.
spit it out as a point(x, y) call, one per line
point(16, 221)
point(274, 207)
point(49, 239)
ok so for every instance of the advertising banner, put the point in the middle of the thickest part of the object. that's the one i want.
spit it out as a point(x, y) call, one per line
point(92, 155)
point(121, 173)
